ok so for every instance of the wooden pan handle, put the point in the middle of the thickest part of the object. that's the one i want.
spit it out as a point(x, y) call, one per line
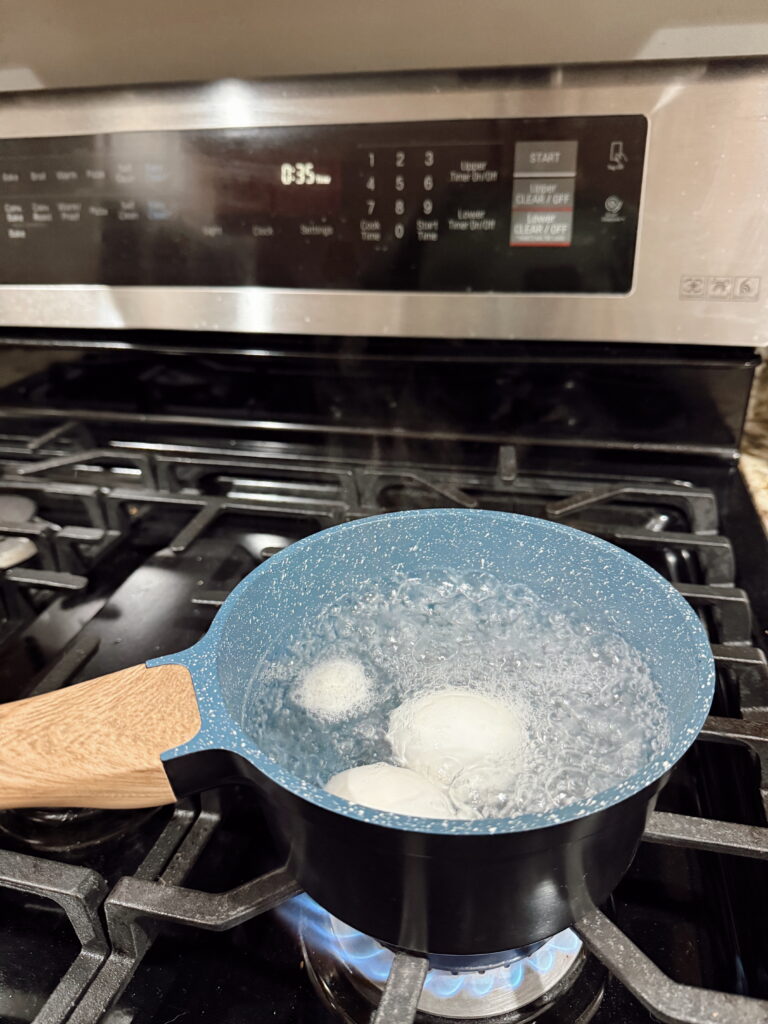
point(97, 744)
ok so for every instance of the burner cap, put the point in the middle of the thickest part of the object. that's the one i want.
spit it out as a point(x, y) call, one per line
point(15, 550)
point(519, 981)
point(15, 508)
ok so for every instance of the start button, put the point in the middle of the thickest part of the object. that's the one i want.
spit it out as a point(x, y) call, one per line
point(545, 158)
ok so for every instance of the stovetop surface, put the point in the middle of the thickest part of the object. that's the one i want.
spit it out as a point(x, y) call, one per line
point(192, 488)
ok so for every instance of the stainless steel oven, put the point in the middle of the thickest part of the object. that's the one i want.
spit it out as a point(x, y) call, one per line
point(282, 304)
point(601, 204)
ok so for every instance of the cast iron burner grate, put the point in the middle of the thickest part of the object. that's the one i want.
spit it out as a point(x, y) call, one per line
point(154, 896)
point(204, 513)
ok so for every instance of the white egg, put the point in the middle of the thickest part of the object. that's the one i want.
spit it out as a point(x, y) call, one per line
point(441, 733)
point(334, 689)
point(387, 788)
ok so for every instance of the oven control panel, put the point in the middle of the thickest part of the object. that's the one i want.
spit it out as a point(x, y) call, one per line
point(496, 205)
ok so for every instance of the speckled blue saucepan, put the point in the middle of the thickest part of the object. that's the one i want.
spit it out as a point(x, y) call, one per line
point(450, 887)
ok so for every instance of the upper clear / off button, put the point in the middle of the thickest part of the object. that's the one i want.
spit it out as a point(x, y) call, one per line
point(548, 159)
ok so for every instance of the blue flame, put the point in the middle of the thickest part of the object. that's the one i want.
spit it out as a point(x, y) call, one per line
point(359, 947)
point(516, 975)
point(542, 960)
point(481, 984)
point(373, 961)
point(567, 941)
point(444, 985)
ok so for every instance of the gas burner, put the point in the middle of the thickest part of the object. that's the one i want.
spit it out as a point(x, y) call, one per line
point(16, 508)
point(15, 550)
point(69, 831)
point(349, 969)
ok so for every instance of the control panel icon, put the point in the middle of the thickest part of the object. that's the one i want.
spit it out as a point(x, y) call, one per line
point(617, 158)
point(746, 288)
point(720, 287)
point(717, 286)
point(692, 286)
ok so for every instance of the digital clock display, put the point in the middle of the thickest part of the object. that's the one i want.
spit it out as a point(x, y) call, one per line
point(303, 173)
point(494, 205)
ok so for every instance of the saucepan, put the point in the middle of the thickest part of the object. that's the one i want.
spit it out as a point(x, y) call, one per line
point(152, 733)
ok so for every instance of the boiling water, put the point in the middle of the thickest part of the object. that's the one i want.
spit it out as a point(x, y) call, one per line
point(591, 712)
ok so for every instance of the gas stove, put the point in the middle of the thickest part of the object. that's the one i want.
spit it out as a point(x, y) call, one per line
point(156, 475)
point(289, 304)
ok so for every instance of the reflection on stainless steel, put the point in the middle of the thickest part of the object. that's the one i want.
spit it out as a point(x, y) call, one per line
point(703, 177)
